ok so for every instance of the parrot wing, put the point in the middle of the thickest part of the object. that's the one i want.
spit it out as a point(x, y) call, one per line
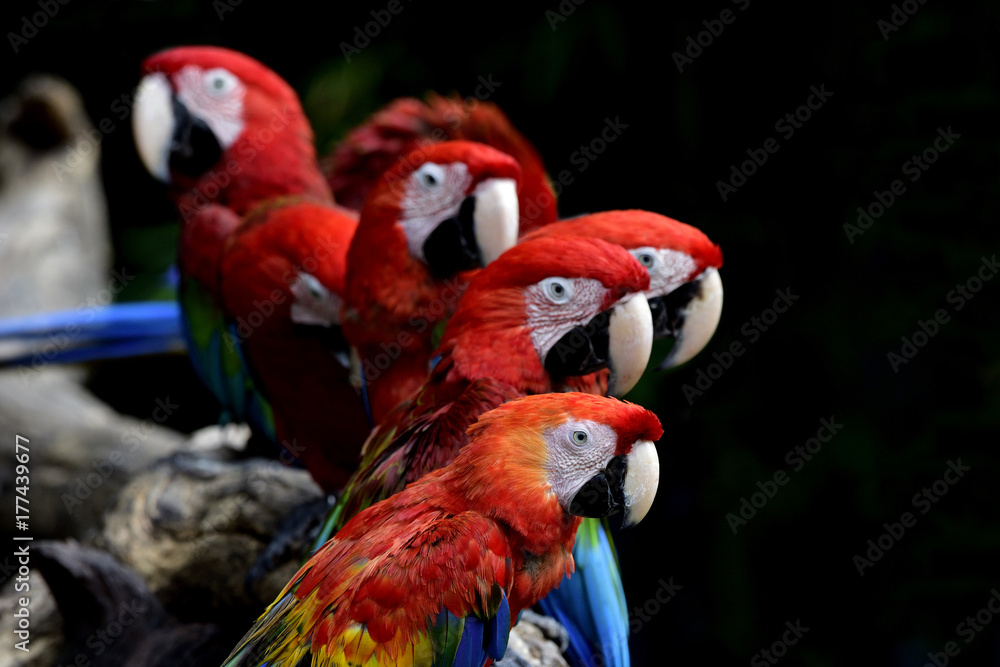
point(404, 585)
point(419, 436)
point(213, 349)
point(281, 286)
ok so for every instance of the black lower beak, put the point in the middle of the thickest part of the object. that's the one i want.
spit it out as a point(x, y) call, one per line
point(193, 146)
point(452, 246)
point(604, 494)
point(669, 310)
point(582, 350)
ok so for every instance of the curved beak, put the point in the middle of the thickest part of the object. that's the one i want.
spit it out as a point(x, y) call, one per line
point(630, 342)
point(484, 227)
point(495, 218)
point(619, 339)
point(690, 314)
point(153, 124)
point(642, 476)
point(628, 484)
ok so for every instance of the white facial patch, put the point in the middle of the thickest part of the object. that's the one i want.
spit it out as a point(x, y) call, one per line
point(314, 303)
point(214, 96)
point(668, 269)
point(434, 193)
point(570, 464)
point(556, 305)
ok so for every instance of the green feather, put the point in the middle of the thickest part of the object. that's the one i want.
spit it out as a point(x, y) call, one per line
point(445, 634)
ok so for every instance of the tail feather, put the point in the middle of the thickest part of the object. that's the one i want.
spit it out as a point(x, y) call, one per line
point(90, 334)
point(591, 603)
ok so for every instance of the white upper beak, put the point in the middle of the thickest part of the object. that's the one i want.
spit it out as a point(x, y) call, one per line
point(641, 479)
point(153, 124)
point(701, 317)
point(630, 342)
point(495, 217)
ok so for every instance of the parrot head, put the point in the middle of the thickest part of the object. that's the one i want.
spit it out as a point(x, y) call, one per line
point(442, 209)
point(596, 454)
point(685, 290)
point(203, 109)
point(552, 308)
point(486, 123)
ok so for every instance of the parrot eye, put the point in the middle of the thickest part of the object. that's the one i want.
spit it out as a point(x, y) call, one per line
point(558, 290)
point(219, 82)
point(430, 175)
point(645, 256)
point(580, 438)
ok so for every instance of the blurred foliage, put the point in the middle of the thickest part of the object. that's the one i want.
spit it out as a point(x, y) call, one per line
point(782, 229)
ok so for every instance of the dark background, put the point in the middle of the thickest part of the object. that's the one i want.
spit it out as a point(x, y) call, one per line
point(783, 229)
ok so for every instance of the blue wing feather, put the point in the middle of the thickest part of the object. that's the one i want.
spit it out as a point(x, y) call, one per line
point(499, 630)
point(591, 603)
point(470, 650)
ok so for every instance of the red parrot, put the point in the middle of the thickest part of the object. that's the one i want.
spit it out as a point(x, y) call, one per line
point(437, 574)
point(442, 210)
point(226, 134)
point(263, 249)
point(408, 123)
point(685, 290)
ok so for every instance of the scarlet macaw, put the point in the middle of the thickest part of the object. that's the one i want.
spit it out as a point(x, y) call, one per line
point(437, 574)
point(226, 134)
point(440, 211)
point(263, 249)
